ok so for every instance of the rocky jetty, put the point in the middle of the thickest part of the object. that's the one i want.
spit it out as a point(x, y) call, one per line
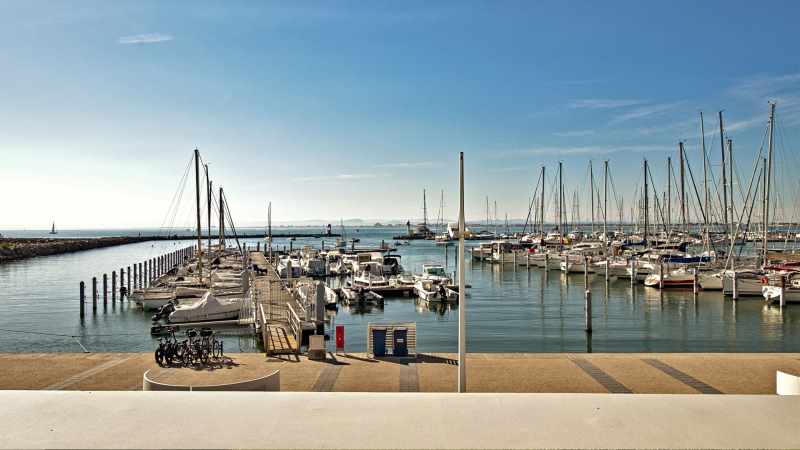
point(13, 248)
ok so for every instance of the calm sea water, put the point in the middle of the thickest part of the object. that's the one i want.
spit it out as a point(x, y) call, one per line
point(508, 309)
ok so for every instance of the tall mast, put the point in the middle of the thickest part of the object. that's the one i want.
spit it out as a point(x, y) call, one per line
point(424, 209)
point(269, 224)
point(197, 198)
point(730, 178)
point(494, 222)
point(208, 201)
point(768, 181)
point(705, 174)
point(560, 199)
point(683, 188)
point(541, 204)
point(645, 202)
point(605, 202)
point(669, 195)
point(724, 173)
point(487, 213)
point(221, 221)
point(591, 190)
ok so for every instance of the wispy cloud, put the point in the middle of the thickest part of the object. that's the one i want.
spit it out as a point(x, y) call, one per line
point(337, 177)
point(148, 38)
point(645, 111)
point(574, 133)
point(760, 87)
point(603, 103)
point(408, 165)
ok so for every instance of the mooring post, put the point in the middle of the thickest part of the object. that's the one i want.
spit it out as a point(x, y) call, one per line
point(122, 283)
point(587, 295)
point(527, 259)
point(588, 310)
point(546, 260)
point(113, 286)
point(661, 275)
point(633, 273)
point(586, 271)
point(694, 283)
point(105, 289)
point(258, 246)
point(735, 285)
point(82, 297)
point(94, 294)
point(782, 298)
point(140, 281)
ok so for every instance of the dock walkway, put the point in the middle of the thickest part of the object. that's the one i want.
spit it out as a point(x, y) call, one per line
point(278, 313)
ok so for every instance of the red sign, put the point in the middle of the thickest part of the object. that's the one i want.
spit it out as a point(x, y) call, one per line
point(339, 337)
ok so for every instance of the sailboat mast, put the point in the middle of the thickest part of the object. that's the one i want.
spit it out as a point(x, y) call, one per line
point(645, 203)
point(730, 168)
point(591, 190)
point(541, 203)
point(560, 201)
point(724, 173)
point(208, 206)
point(494, 222)
point(221, 221)
point(424, 209)
point(705, 173)
point(605, 202)
point(683, 187)
point(197, 201)
point(669, 195)
point(768, 181)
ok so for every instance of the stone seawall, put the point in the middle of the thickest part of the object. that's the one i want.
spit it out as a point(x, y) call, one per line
point(21, 248)
point(11, 249)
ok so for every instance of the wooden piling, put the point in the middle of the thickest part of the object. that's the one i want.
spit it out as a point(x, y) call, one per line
point(782, 298)
point(82, 290)
point(695, 288)
point(587, 310)
point(129, 279)
point(113, 287)
point(735, 293)
point(94, 294)
point(661, 275)
point(121, 283)
point(105, 289)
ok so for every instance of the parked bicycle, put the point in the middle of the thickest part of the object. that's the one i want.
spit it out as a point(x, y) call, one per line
point(198, 348)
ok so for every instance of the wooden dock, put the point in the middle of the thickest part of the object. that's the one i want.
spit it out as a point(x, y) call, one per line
point(279, 316)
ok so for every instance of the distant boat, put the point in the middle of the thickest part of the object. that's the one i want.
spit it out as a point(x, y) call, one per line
point(53, 229)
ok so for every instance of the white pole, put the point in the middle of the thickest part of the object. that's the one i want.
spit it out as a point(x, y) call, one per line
point(462, 315)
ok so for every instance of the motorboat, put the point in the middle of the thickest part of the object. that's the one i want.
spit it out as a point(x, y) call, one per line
point(370, 275)
point(208, 308)
point(433, 272)
point(427, 290)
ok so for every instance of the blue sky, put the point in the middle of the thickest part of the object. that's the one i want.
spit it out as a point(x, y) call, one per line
point(349, 109)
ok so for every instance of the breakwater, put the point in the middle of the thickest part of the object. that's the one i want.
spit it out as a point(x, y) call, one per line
point(12, 249)
point(22, 248)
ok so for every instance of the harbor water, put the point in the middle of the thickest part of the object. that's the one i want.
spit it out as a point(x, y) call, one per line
point(509, 308)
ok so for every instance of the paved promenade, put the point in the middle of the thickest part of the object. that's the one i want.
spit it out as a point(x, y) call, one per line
point(647, 373)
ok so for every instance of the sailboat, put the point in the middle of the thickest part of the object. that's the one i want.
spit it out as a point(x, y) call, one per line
point(53, 229)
